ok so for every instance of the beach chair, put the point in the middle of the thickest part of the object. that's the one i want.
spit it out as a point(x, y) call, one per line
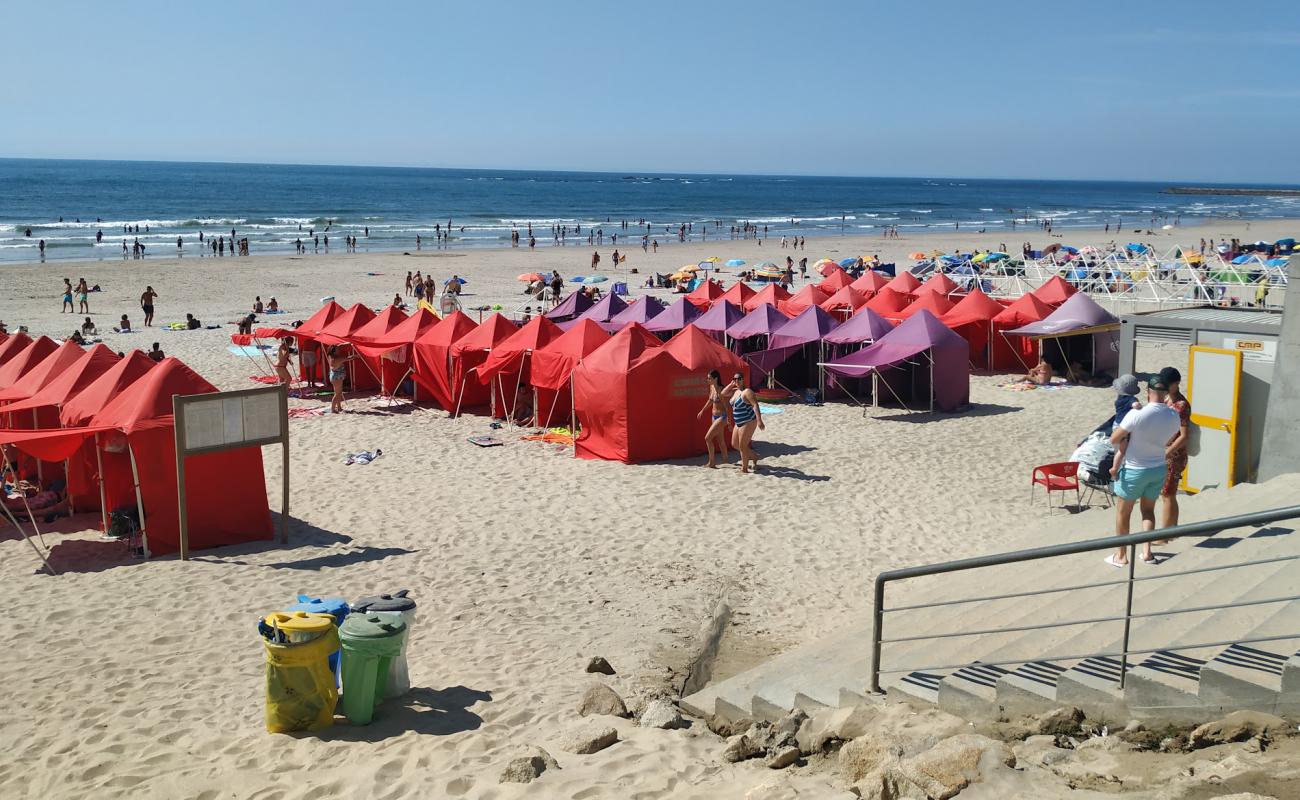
point(1060, 477)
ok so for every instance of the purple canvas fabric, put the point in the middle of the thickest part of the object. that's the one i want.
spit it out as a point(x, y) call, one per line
point(917, 334)
point(1076, 313)
point(765, 319)
point(721, 316)
point(811, 325)
point(642, 311)
point(864, 326)
point(764, 361)
point(606, 309)
point(674, 317)
point(570, 307)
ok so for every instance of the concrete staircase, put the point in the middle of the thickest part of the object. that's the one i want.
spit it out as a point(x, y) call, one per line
point(1200, 662)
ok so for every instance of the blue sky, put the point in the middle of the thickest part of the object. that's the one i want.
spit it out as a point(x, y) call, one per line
point(1178, 91)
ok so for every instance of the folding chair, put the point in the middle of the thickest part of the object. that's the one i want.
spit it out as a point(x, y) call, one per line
point(1060, 477)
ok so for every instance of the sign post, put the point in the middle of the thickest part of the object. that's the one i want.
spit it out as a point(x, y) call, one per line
point(212, 423)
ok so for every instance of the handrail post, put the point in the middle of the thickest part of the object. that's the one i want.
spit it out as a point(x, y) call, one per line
point(1128, 614)
point(878, 610)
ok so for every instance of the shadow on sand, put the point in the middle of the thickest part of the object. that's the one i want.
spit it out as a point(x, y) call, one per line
point(430, 712)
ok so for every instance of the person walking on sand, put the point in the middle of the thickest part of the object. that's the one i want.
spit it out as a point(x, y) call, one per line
point(337, 363)
point(83, 296)
point(146, 304)
point(283, 358)
point(67, 298)
point(746, 416)
point(1139, 470)
point(716, 437)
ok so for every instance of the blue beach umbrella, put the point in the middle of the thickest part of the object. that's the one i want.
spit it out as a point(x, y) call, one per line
point(736, 262)
point(594, 279)
point(462, 281)
point(848, 262)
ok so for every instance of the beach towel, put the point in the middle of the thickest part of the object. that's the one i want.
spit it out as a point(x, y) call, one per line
point(1029, 386)
point(247, 350)
point(306, 413)
point(364, 457)
point(770, 410)
point(485, 441)
point(267, 379)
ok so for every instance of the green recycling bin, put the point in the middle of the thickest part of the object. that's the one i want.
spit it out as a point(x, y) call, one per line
point(370, 643)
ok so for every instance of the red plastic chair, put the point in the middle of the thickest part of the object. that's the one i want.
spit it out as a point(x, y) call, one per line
point(1060, 477)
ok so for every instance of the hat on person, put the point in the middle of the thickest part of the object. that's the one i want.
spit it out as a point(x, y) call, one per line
point(1158, 383)
point(1125, 384)
point(1171, 375)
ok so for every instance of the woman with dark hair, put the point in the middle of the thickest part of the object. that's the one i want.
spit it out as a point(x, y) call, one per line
point(747, 416)
point(716, 437)
point(337, 363)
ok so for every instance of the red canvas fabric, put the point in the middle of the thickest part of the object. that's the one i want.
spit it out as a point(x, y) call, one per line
point(511, 354)
point(870, 282)
point(386, 371)
point(12, 346)
point(737, 294)
point(78, 410)
point(932, 301)
point(904, 283)
point(888, 302)
point(809, 295)
point(360, 376)
point(772, 294)
point(147, 403)
point(1054, 291)
point(845, 301)
point(39, 376)
point(705, 295)
point(1017, 352)
point(553, 363)
point(699, 352)
point(26, 360)
point(432, 354)
point(92, 363)
point(972, 319)
point(836, 280)
point(468, 354)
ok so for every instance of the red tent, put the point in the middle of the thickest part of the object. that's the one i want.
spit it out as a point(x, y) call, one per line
point(391, 351)
point(809, 295)
point(337, 332)
point(510, 362)
point(226, 490)
point(904, 283)
point(553, 365)
point(836, 280)
point(699, 352)
point(932, 301)
point(1017, 352)
point(1054, 291)
point(870, 282)
point(386, 371)
point(772, 294)
point(78, 410)
point(26, 360)
point(76, 377)
point(432, 354)
point(938, 283)
point(308, 348)
point(12, 346)
point(972, 319)
point(39, 376)
point(706, 294)
point(636, 402)
point(888, 302)
point(738, 294)
point(467, 356)
point(844, 302)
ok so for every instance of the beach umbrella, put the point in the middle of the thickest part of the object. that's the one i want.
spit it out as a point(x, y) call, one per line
point(736, 262)
point(766, 265)
point(848, 262)
point(918, 255)
point(1288, 242)
point(588, 279)
point(711, 260)
point(529, 277)
point(679, 275)
point(690, 268)
point(461, 281)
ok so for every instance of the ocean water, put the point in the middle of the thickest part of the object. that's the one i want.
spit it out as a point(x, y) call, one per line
point(67, 202)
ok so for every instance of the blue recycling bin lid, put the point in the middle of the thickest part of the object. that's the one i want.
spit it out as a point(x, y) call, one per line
point(336, 607)
point(397, 601)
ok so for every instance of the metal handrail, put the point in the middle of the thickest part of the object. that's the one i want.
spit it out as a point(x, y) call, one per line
point(1131, 541)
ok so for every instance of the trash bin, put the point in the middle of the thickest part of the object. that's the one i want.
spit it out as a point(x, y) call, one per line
point(300, 689)
point(400, 604)
point(336, 607)
point(370, 643)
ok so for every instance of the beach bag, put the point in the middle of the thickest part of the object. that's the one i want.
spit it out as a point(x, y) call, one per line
point(1090, 455)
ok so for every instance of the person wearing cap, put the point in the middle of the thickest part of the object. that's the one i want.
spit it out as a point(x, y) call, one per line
point(1176, 450)
point(1126, 391)
point(1139, 470)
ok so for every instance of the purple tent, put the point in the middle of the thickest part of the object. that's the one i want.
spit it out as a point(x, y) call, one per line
point(570, 307)
point(642, 311)
point(609, 306)
point(864, 326)
point(762, 320)
point(945, 357)
point(811, 325)
point(720, 316)
point(674, 317)
point(1083, 331)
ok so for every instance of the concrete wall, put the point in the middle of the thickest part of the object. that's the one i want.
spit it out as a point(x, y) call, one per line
point(1281, 450)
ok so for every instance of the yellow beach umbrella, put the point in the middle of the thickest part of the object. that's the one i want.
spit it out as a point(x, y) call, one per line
point(690, 268)
point(918, 255)
point(712, 259)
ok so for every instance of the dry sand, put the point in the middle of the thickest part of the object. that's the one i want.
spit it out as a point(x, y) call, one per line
point(136, 680)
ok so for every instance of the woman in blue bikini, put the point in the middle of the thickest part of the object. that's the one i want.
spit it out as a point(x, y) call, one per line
point(747, 417)
point(337, 363)
point(716, 437)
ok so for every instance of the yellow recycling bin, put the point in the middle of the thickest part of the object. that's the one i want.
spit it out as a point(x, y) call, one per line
point(300, 689)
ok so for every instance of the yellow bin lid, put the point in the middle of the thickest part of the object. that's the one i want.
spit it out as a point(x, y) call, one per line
point(300, 621)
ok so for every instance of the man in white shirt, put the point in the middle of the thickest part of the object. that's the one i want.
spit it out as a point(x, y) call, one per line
point(1139, 469)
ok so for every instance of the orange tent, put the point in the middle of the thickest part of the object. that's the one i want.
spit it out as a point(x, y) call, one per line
point(553, 365)
point(386, 371)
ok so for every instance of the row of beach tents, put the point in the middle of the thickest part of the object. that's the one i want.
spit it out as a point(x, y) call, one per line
point(100, 424)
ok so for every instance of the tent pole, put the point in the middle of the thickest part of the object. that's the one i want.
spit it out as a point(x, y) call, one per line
point(40, 471)
point(72, 507)
point(573, 417)
point(10, 517)
point(139, 499)
point(99, 474)
point(30, 516)
point(930, 355)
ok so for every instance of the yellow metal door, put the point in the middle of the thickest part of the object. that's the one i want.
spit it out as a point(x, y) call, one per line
point(1213, 385)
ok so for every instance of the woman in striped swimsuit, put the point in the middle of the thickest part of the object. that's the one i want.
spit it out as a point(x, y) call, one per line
point(746, 416)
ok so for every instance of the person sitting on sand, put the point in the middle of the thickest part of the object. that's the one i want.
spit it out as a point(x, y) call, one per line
point(77, 338)
point(156, 353)
point(192, 324)
point(88, 328)
point(398, 302)
point(1041, 374)
point(258, 308)
point(453, 286)
point(273, 306)
point(123, 325)
point(523, 410)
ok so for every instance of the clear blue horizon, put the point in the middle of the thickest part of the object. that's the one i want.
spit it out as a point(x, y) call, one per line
point(1183, 92)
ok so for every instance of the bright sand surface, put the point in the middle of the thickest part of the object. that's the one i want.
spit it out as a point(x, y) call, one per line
point(135, 680)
